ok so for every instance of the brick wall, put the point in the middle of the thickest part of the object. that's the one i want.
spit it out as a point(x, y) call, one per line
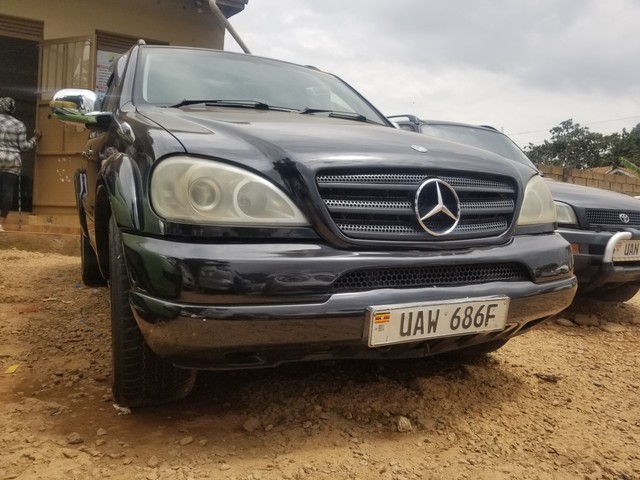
point(617, 183)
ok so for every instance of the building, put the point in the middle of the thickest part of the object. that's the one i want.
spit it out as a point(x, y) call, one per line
point(615, 170)
point(54, 44)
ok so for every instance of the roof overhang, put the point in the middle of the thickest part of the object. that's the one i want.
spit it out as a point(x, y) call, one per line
point(228, 7)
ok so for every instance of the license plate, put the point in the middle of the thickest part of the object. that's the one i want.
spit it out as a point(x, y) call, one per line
point(391, 324)
point(627, 251)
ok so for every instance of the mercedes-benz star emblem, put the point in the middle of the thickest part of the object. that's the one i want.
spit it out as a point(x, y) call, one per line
point(624, 218)
point(437, 207)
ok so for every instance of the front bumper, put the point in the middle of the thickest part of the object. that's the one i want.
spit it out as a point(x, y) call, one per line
point(264, 304)
point(593, 257)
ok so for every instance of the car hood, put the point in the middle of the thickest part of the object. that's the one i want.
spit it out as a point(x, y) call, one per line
point(263, 139)
point(580, 196)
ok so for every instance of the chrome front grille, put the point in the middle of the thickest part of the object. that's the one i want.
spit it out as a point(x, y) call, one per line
point(611, 218)
point(380, 206)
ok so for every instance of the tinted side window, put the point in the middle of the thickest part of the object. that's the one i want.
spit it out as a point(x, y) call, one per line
point(114, 85)
point(108, 100)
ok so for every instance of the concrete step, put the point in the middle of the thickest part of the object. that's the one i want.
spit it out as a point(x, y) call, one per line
point(42, 224)
point(41, 233)
point(45, 229)
point(63, 244)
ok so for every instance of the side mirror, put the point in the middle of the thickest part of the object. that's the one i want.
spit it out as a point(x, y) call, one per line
point(76, 106)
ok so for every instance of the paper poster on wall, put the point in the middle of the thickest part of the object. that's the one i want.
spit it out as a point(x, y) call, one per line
point(104, 60)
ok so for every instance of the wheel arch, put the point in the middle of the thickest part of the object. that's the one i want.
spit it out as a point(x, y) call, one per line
point(118, 195)
point(80, 191)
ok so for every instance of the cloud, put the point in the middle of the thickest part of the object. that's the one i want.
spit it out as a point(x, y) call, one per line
point(524, 66)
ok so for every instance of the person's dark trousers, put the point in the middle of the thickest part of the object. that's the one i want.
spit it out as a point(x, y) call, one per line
point(7, 183)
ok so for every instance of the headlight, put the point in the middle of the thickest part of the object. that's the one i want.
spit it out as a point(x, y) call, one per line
point(194, 190)
point(566, 215)
point(538, 206)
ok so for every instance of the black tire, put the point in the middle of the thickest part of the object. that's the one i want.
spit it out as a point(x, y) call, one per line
point(619, 292)
point(91, 275)
point(140, 377)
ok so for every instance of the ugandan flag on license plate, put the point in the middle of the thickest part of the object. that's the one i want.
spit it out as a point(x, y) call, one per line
point(382, 317)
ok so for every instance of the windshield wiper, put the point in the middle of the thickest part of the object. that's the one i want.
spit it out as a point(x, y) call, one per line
point(225, 103)
point(336, 114)
point(235, 103)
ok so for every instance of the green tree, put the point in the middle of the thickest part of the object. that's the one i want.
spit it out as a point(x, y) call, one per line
point(571, 145)
point(632, 145)
point(574, 146)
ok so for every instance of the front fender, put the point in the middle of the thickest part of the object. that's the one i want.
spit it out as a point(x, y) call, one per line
point(118, 194)
point(122, 185)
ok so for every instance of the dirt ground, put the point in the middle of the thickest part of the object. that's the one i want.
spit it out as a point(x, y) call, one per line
point(560, 402)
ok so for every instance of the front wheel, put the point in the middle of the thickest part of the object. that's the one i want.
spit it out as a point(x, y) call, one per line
point(140, 377)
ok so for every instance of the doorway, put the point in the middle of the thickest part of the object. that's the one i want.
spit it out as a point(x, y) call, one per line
point(19, 80)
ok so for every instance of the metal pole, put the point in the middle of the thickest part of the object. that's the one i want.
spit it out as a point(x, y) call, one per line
point(218, 13)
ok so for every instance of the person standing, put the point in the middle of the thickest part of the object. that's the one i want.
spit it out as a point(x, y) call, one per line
point(13, 140)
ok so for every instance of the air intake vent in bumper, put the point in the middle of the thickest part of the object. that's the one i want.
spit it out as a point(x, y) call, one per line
point(417, 277)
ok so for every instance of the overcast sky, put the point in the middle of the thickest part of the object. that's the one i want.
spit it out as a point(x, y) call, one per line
point(521, 66)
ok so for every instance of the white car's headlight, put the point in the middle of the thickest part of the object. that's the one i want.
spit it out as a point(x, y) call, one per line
point(194, 190)
point(538, 206)
point(566, 214)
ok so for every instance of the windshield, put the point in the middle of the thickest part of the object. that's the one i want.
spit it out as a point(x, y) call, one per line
point(490, 140)
point(174, 77)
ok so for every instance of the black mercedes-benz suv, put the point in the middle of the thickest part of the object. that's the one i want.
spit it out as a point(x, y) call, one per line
point(248, 212)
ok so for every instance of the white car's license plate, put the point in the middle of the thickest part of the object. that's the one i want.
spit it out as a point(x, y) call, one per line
point(627, 251)
point(391, 324)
